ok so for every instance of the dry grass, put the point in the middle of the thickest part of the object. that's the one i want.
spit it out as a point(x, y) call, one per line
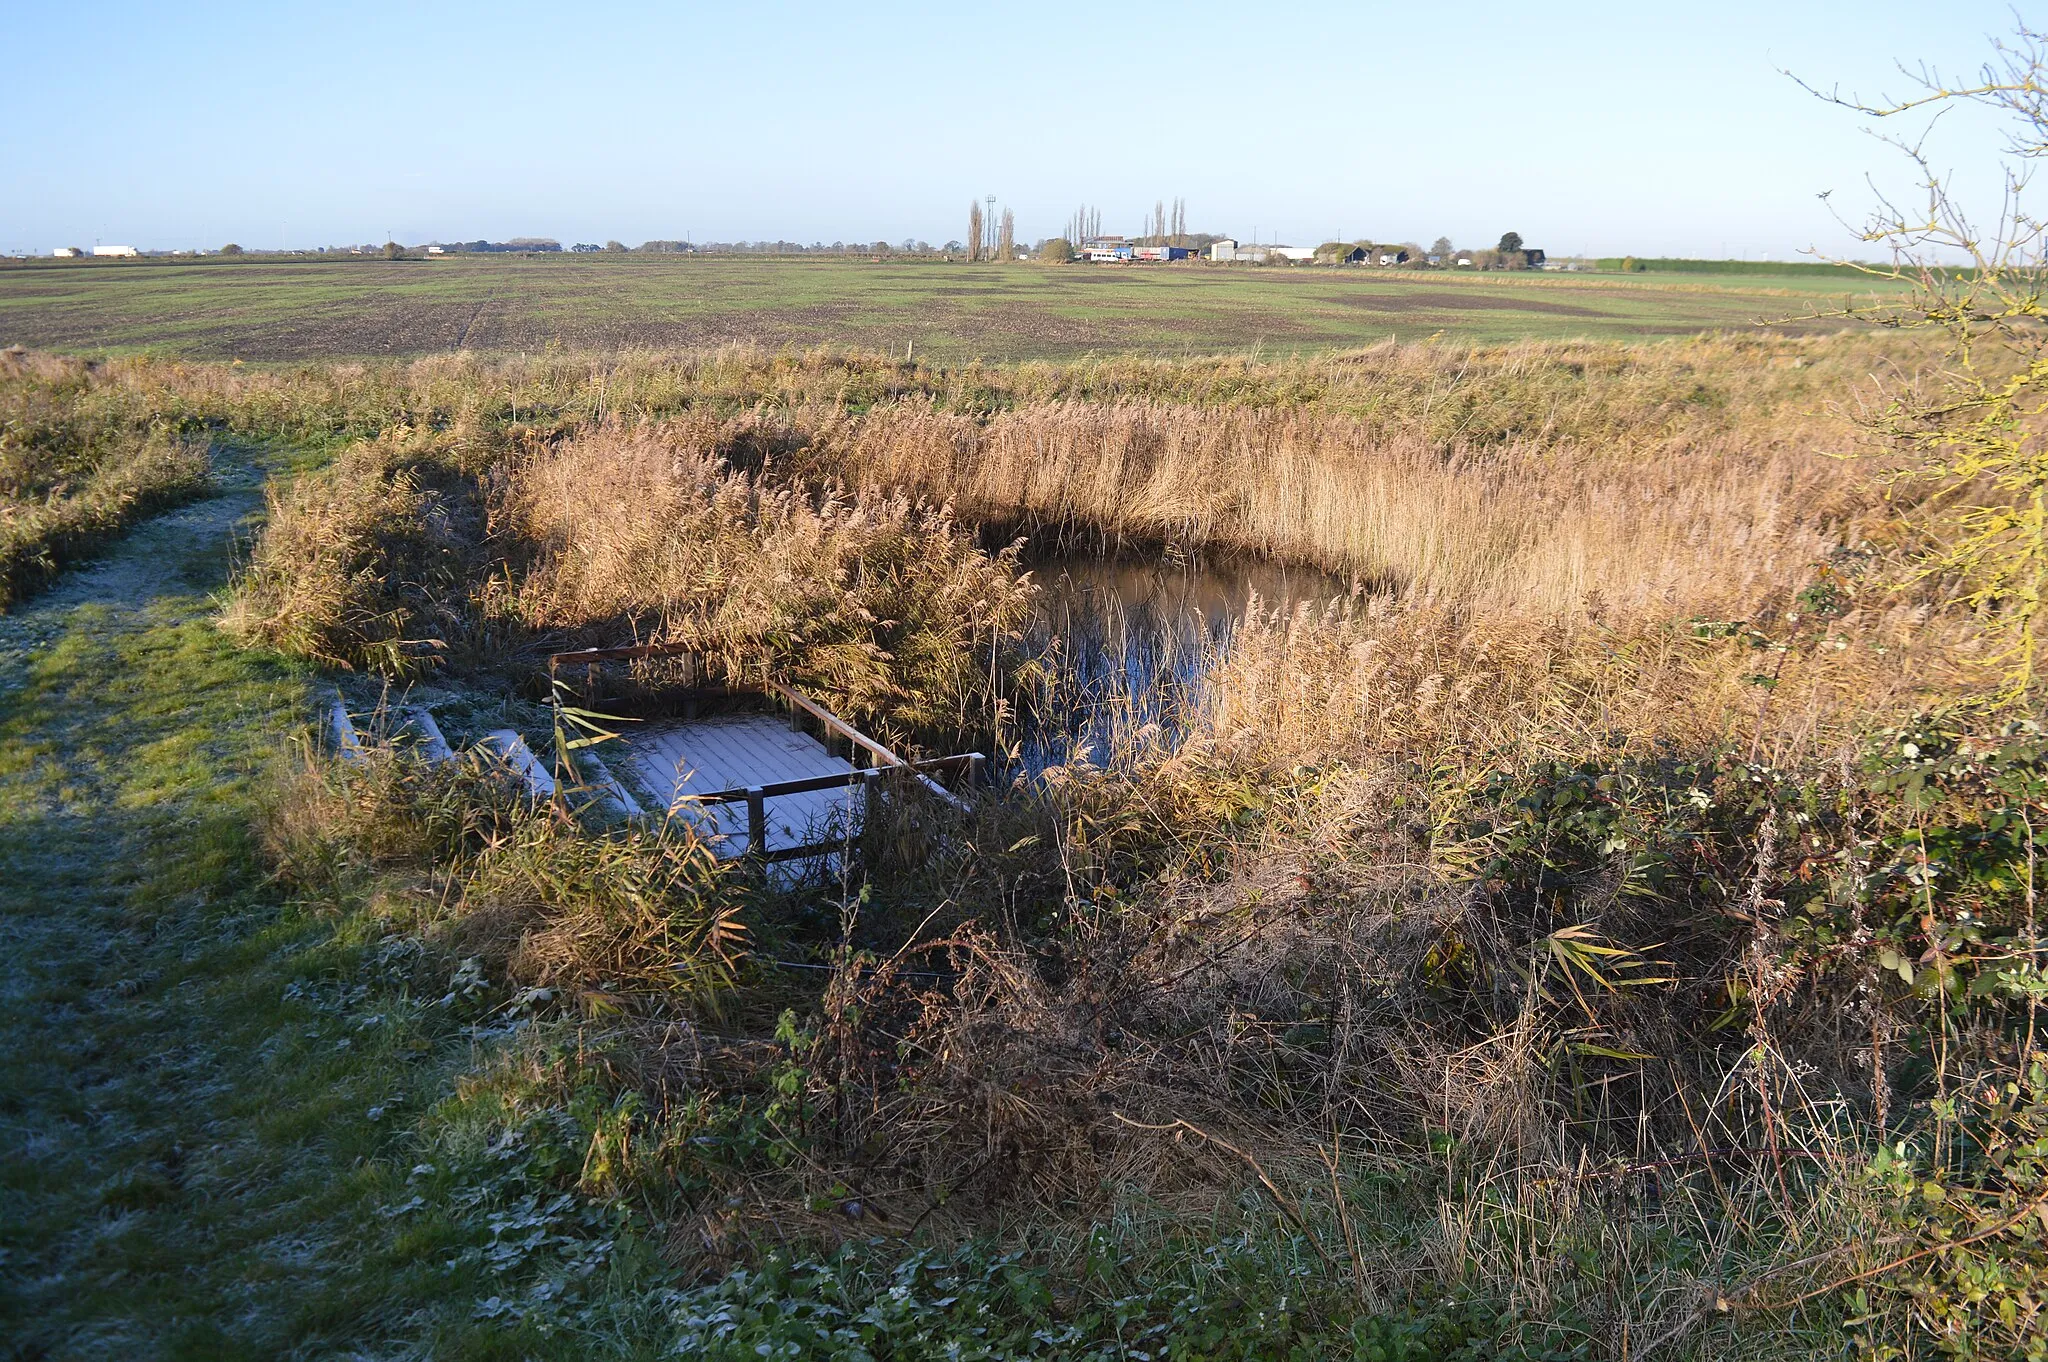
point(1399, 475)
point(73, 476)
point(370, 562)
point(644, 532)
point(461, 857)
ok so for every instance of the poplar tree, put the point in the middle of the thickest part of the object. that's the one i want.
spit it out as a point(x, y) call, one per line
point(974, 229)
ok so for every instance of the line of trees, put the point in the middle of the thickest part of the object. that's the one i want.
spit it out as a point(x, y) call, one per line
point(990, 237)
point(1510, 254)
point(1086, 222)
point(1169, 225)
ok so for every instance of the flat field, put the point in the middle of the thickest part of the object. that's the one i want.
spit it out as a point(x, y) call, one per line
point(285, 310)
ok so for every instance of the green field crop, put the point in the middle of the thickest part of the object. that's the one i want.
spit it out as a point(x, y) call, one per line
point(277, 310)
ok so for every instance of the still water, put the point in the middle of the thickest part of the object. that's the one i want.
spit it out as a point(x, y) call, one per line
point(1124, 641)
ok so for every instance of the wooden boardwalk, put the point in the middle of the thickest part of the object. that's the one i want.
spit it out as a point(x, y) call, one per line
point(672, 762)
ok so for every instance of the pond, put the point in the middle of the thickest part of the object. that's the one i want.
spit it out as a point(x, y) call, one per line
point(1125, 641)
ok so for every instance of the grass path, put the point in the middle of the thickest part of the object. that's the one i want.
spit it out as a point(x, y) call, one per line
point(185, 1132)
point(132, 1027)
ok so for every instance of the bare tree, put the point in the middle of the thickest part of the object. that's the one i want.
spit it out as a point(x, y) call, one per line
point(1085, 225)
point(1006, 237)
point(974, 229)
point(1971, 442)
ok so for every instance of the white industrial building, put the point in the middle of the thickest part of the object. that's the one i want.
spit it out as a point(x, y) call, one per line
point(122, 251)
point(1227, 249)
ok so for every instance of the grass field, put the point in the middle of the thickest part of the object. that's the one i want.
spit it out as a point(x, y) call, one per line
point(951, 312)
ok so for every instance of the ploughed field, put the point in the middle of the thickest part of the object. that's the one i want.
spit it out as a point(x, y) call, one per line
point(354, 308)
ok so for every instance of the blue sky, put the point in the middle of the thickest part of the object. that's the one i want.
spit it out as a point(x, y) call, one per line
point(1601, 128)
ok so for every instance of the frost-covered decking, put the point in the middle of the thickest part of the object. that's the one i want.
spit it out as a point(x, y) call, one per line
point(676, 762)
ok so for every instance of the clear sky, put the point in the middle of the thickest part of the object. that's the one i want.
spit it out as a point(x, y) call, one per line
point(1588, 127)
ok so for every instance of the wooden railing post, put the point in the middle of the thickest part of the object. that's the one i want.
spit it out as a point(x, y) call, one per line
point(757, 822)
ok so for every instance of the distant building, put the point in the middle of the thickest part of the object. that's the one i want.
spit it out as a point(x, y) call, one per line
point(1464, 262)
point(1162, 253)
point(67, 252)
point(1433, 259)
point(1106, 249)
point(1393, 255)
point(1227, 249)
point(122, 251)
point(436, 250)
point(1357, 255)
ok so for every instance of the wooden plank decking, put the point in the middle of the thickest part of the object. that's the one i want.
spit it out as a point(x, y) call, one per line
point(672, 761)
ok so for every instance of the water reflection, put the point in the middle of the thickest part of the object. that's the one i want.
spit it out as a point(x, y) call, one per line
point(1126, 642)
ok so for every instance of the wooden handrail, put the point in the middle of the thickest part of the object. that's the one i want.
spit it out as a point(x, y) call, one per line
point(835, 723)
point(776, 789)
point(812, 784)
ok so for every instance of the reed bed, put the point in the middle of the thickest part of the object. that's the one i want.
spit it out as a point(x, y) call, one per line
point(1528, 526)
point(878, 600)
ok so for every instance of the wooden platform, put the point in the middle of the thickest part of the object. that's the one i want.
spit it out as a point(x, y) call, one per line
point(671, 761)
